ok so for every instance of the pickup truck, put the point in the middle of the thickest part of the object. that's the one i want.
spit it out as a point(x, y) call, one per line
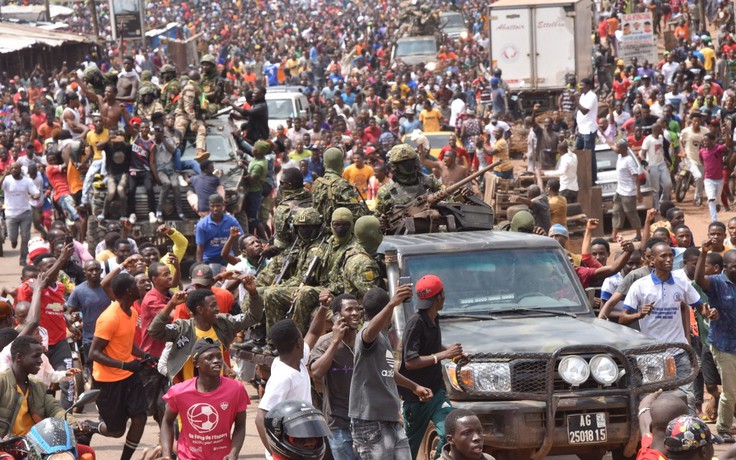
point(544, 375)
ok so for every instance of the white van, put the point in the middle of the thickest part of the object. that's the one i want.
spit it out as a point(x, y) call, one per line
point(285, 102)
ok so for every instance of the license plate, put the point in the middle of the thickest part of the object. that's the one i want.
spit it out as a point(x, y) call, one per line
point(586, 428)
point(609, 188)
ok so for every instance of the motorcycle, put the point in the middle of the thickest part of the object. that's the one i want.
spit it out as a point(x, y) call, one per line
point(50, 439)
point(683, 181)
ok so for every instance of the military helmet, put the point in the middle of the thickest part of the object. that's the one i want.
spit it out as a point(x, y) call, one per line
point(209, 59)
point(402, 152)
point(146, 89)
point(307, 216)
point(168, 68)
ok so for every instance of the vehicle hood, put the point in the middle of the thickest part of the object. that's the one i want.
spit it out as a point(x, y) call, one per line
point(416, 59)
point(523, 334)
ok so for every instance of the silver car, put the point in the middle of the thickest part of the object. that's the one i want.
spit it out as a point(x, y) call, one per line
point(607, 179)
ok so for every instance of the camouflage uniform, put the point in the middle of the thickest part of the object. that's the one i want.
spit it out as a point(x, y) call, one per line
point(170, 93)
point(359, 271)
point(277, 299)
point(397, 192)
point(212, 84)
point(145, 112)
point(188, 113)
point(291, 200)
point(332, 191)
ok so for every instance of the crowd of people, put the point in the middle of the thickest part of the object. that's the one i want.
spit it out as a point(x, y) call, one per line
point(298, 280)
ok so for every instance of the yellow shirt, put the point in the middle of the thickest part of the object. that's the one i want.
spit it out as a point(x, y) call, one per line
point(93, 138)
point(710, 57)
point(431, 120)
point(188, 370)
point(558, 210)
point(296, 156)
point(23, 421)
point(501, 152)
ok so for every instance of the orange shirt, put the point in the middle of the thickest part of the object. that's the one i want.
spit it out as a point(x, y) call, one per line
point(75, 179)
point(115, 326)
point(225, 301)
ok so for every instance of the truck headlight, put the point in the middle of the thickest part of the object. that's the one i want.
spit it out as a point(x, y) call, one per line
point(604, 369)
point(574, 370)
point(464, 34)
point(488, 377)
point(656, 367)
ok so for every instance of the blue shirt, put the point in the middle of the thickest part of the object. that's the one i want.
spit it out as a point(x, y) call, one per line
point(213, 236)
point(91, 302)
point(722, 296)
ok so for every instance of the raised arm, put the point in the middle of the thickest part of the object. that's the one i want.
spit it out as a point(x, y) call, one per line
point(700, 276)
point(383, 318)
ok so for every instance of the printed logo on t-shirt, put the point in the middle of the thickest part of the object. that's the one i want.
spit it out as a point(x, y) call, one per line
point(203, 417)
point(390, 363)
point(224, 405)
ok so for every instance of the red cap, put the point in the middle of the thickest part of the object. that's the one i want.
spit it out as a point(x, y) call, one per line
point(427, 289)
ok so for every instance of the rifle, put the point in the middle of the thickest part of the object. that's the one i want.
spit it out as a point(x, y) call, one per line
point(421, 206)
point(286, 264)
point(313, 264)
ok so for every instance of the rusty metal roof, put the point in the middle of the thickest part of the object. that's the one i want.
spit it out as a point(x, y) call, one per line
point(14, 37)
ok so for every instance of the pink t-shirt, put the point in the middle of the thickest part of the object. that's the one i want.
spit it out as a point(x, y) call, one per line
point(206, 418)
point(712, 159)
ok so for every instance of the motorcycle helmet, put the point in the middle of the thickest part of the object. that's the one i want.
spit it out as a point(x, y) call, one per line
point(51, 438)
point(296, 430)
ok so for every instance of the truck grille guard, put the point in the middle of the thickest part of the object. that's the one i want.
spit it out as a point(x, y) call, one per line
point(630, 384)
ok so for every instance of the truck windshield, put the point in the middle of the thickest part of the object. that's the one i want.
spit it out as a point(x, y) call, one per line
point(416, 47)
point(217, 146)
point(452, 20)
point(493, 281)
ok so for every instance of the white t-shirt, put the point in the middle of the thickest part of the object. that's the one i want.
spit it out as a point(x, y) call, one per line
point(287, 383)
point(567, 171)
point(608, 288)
point(668, 70)
point(620, 118)
point(456, 108)
point(664, 323)
point(627, 173)
point(654, 148)
point(18, 195)
point(587, 123)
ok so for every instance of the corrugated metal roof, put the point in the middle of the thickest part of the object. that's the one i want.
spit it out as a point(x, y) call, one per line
point(14, 37)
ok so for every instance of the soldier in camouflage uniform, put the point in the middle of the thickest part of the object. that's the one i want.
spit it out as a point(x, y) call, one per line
point(332, 191)
point(359, 271)
point(147, 103)
point(171, 88)
point(308, 224)
point(293, 196)
point(189, 114)
point(212, 84)
point(407, 181)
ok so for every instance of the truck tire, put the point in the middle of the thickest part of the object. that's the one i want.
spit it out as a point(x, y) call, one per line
point(428, 447)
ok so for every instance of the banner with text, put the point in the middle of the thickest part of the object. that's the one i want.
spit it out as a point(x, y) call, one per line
point(637, 38)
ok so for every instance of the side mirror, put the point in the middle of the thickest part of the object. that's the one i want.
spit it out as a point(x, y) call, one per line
point(84, 399)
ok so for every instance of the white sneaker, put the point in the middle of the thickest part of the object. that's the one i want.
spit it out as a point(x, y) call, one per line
point(152, 218)
point(133, 218)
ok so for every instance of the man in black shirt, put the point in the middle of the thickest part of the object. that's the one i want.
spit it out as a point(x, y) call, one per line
point(117, 164)
point(423, 351)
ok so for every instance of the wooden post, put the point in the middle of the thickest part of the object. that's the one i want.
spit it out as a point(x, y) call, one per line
point(590, 197)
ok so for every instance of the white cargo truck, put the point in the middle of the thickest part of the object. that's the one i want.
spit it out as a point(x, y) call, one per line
point(537, 43)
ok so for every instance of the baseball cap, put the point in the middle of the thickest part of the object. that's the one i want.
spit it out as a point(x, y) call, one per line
point(559, 229)
point(36, 247)
point(495, 81)
point(523, 222)
point(203, 274)
point(428, 287)
point(688, 433)
point(203, 345)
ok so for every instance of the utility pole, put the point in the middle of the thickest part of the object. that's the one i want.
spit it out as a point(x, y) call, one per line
point(48, 10)
point(93, 13)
